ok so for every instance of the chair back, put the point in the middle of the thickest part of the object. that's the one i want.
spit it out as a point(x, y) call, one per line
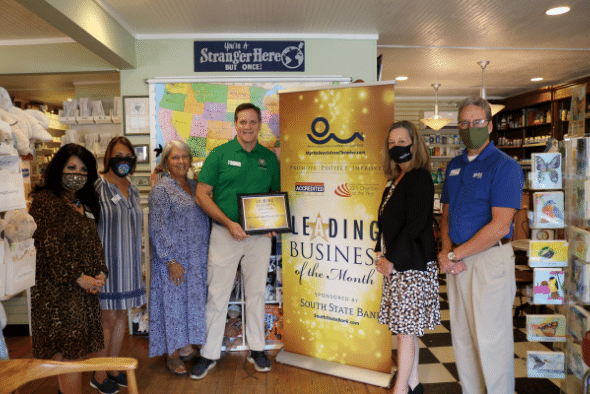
point(15, 373)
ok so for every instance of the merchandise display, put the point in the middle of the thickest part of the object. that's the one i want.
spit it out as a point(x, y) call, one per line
point(549, 210)
point(577, 177)
point(548, 253)
point(546, 328)
point(546, 170)
point(548, 286)
point(541, 364)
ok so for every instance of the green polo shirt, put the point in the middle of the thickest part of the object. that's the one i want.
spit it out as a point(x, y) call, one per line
point(231, 170)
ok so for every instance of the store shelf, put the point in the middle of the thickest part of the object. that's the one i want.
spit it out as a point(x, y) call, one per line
point(534, 145)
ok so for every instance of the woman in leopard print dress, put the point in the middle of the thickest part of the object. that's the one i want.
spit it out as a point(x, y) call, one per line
point(406, 251)
point(65, 310)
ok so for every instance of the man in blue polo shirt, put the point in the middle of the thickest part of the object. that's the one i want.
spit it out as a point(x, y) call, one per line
point(236, 167)
point(481, 194)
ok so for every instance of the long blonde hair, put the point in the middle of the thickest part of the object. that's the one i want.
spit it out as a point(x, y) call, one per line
point(420, 157)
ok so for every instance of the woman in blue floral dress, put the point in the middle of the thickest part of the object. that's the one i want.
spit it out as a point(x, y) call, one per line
point(179, 235)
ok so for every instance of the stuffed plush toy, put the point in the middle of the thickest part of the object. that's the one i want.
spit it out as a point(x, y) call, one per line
point(20, 226)
point(232, 336)
point(7, 142)
point(27, 126)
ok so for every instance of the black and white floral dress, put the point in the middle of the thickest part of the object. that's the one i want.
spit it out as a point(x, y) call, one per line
point(410, 302)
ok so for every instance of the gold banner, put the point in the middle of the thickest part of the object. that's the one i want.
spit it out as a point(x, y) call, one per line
point(331, 143)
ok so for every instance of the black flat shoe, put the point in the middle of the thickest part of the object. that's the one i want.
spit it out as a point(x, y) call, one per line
point(419, 389)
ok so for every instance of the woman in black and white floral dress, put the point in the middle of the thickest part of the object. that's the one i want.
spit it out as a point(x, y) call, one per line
point(406, 250)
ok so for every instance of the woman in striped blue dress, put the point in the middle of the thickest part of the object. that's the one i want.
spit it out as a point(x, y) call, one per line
point(120, 229)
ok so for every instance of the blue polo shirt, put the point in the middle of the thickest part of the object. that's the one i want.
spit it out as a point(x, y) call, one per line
point(492, 179)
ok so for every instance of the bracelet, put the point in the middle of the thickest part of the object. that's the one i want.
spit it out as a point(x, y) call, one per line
point(169, 263)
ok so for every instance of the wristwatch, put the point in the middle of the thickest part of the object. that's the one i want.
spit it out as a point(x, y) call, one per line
point(451, 256)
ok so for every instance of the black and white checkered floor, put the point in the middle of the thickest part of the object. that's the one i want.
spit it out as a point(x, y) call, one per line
point(437, 369)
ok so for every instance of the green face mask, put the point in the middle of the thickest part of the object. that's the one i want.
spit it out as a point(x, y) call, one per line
point(474, 137)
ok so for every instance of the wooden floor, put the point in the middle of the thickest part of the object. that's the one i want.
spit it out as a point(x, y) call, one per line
point(232, 374)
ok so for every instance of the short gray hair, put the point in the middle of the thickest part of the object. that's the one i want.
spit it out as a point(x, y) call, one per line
point(168, 149)
point(478, 102)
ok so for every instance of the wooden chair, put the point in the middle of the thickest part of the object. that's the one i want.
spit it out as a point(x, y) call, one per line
point(15, 373)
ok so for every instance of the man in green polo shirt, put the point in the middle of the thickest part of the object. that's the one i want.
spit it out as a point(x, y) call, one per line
point(236, 167)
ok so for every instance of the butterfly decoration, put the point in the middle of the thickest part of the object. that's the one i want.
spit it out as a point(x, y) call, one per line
point(548, 329)
point(548, 168)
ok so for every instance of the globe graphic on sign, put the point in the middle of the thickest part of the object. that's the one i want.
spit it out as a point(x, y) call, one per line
point(292, 57)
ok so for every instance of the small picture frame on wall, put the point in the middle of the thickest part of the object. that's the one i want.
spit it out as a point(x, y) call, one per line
point(136, 115)
point(142, 153)
point(143, 180)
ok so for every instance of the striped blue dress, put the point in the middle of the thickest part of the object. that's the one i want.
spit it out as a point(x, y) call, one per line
point(120, 230)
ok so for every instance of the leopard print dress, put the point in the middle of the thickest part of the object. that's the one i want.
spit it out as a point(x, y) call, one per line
point(65, 319)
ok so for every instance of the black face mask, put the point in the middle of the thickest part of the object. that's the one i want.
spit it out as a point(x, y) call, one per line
point(121, 166)
point(401, 154)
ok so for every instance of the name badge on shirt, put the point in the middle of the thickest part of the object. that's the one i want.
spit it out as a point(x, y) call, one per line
point(89, 215)
point(456, 171)
point(116, 199)
point(234, 163)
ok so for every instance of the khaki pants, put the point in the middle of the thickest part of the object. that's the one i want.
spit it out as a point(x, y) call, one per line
point(481, 300)
point(224, 255)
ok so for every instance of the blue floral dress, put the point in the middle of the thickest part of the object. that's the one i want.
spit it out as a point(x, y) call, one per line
point(179, 230)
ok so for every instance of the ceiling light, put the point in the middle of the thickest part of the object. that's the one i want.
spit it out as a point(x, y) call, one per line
point(495, 107)
point(402, 78)
point(536, 79)
point(557, 11)
point(70, 99)
point(437, 122)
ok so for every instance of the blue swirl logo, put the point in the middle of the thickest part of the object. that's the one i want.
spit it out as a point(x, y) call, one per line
point(315, 135)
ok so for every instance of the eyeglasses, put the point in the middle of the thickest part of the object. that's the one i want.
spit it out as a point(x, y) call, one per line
point(476, 123)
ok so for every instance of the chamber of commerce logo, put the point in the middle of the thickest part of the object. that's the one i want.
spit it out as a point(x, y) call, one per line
point(343, 191)
point(321, 138)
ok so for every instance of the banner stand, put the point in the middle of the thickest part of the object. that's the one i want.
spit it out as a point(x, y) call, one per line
point(336, 369)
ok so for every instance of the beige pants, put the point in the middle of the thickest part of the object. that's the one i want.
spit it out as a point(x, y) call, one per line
point(480, 301)
point(224, 255)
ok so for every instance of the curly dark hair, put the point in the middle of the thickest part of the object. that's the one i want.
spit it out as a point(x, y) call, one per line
point(52, 176)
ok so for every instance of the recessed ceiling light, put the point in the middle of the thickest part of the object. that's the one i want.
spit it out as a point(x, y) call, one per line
point(402, 78)
point(557, 11)
point(536, 79)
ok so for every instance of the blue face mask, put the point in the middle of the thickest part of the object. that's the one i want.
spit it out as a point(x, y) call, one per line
point(401, 154)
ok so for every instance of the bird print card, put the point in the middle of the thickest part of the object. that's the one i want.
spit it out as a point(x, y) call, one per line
point(548, 286)
point(548, 208)
point(581, 280)
point(577, 322)
point(549, 365)
point(545, 328)
point(546, 170)
point(580, 239)
point(548, 253)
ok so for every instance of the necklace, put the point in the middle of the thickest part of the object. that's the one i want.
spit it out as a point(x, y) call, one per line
point(181, 183)
point(76, 202)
